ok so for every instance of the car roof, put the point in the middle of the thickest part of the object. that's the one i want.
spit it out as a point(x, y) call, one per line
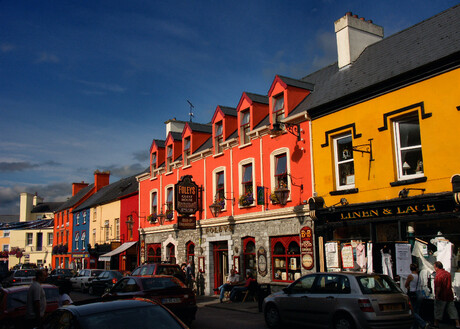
point(12, 289)
point(114, 305)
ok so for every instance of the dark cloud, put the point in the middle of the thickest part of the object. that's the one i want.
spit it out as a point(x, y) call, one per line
point(141, 156)
point(52, 163)
point(125, 171)
point(16, 166)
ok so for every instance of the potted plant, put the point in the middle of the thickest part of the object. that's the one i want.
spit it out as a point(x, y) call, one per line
point(152, 218)
point(169, 214)
point(246, 199)
point(274, 198)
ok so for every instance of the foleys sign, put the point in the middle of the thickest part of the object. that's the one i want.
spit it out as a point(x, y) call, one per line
point(186, 199)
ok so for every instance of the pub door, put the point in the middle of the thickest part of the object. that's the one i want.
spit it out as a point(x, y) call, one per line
point(220, 253)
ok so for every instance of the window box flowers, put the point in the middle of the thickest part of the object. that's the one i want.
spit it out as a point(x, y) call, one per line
point(152, 218)
point(169, 214)
point(274, 198)
point(246, 199)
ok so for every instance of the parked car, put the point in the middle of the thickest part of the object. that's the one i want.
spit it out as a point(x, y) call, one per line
point(61, 276)
point(13, 304)
point(117, 314)
point(19, 277)
point(340, 300)
point(159, 269)
point(82, 279)
point(165, 289)
point(104, 281)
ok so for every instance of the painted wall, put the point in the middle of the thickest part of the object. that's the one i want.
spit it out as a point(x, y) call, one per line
point(18, 239)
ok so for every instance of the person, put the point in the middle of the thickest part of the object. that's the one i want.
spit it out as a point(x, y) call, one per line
point(236, 290)
point(189, 275)
point(444, 297)
point(414, 292)
point(64, 298)
point(232, 281)
point(36, 301)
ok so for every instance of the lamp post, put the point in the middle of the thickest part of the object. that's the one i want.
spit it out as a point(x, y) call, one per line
point(215, 208)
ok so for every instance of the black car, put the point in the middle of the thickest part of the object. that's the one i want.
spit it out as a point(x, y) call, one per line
point(118, 314)
point(104, 281)
point(61, 277)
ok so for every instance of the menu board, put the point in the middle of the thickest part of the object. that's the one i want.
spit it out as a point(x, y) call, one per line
point(403, 258)
point(332, 255)
point(347, 256)
point(306, 247)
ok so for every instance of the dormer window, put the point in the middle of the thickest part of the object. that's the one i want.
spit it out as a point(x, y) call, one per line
point(218, 137)
point(278, 108)
point(154, 161)
point(169, 158)
point(187, 151)
point(244, 127)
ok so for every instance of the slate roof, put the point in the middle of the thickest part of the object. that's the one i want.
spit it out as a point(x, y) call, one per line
point(176, 136)
point(205, 146)
point(111, 192)
point(265, 122)
point(296, 83)
point(9, 218)
point(257, 98)
point(233, 135)
point(229, 110)
point(46, 207)
point(74, 199)
point(425, 48)
point(200, 127)
point(159, 142)
point(31, 225)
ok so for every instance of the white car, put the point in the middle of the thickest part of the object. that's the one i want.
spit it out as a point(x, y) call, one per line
point(83, 278)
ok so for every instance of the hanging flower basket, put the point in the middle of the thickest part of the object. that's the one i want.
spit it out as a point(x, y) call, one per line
point(55, 250)
point(152, 218)
point(246, 199)
point(169, 214)
point(274, 198)
point(221, 203)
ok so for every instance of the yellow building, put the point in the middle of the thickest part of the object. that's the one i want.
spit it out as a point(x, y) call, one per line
point(385, 137)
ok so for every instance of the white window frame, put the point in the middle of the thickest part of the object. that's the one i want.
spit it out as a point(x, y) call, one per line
point(94, 236)
point(399, 149)
point(107, 230)
point(218, 149)
point(241, 165)
point(169, 158)
point(273, 156)
point(187, 150)
point(78, 219)
point(6, 247)
point(274, 111)
point(117, 228)
point(244, 126)
point(337, 162)
point(28, 234)
point(83, 238)
point(77, 239)
point(50, 239)
point(167, 187)
point(214, 184)
point(84, 216)
point(6, 233)
point(152, 192)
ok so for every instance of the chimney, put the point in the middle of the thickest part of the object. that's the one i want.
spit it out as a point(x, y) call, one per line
point(25, 206)
point(101, 179)
point(37, 200)
point(353, 35)
point(76, 187)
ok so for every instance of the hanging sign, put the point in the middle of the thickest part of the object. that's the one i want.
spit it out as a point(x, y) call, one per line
point(306, 247)
point(186, 196)
point(186, 222)
point(260, 195)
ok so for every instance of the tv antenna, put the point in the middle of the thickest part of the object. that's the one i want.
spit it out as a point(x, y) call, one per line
point(191, 110)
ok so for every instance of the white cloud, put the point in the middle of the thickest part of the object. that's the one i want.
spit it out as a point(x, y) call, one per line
point(45, 57)
point(101, 87)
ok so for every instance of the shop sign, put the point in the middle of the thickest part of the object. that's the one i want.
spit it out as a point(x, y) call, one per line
point(262, 261)
point(186, 223)
point(218, 229)
point(306, 247)
point(142, 251)
point(186, 198)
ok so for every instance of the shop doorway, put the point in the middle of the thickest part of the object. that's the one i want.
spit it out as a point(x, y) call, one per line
point(220, 254)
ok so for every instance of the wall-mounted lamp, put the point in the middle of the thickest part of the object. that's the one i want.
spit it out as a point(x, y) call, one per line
point(405, 192)
point(342, 202)
point(216, 207)
point(292, 128)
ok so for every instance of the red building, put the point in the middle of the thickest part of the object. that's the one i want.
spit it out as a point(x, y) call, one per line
point(254, 172)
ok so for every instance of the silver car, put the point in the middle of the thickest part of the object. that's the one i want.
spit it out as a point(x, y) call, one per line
point(340, 300)
point(83, 278)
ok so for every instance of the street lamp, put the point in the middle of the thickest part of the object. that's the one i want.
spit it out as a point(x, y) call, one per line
point(282, 195)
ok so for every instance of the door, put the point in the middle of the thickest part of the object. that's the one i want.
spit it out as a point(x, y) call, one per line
point(220, 254)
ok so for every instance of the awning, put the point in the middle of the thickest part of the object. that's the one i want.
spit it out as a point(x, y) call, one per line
point(106, 257)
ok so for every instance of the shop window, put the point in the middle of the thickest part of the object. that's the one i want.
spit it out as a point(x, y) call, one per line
point(278, 108)
point(171, 249)
point(154, 253)
point(154, 208)
point(285, 253)
point(77, 240)
point(249, 256)
point(344, 162)
point(187, 151)
point(245, 127)
point(191, 253)
point(408, 147)
point(169, 158)
point(218, 138)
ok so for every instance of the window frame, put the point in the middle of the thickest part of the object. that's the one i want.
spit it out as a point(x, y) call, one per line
point(286, 242)
point(77, 240)
point(242, 185)
point(154, 197)
point(83, 238)
point(187, 150)
point(218, 137)
point(278, 114)
point(29, 239)
point(245, 127)
point(337, 162)
point(215, 189)
point(169, 157)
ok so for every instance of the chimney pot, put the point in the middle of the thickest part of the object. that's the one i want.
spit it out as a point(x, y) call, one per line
point(362, 18)
point(349, 13)
point(355, 16)
point(370, 21)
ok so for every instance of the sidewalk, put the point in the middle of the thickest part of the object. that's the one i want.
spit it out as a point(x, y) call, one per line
point(213, 301)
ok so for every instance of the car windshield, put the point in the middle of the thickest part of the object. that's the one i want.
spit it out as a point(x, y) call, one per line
point(131, 318)
point(377, 284)
point(156, 283)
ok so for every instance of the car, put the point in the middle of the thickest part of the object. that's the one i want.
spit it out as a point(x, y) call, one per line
point(82, 279)
point(104, 281)
point(61, 276)
point(150, 269)
point(115, 314)
point(165, 289)
point(19, 277)
point(339, 300)
point(13, 304)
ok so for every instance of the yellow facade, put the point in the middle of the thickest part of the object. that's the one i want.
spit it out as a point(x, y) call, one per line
point(439, 132)
point(102, 215)
point(32, 254)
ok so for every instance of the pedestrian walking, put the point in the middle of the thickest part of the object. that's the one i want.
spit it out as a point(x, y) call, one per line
point(444, 297)
point(36, 301)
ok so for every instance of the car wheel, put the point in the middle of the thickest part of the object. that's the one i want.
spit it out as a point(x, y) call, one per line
point(344, 322)
point(90, 290)
point(272, 317)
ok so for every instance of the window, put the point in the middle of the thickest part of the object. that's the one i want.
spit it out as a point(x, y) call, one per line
point(6, 234)
point(6, 247)
point(285, 253)
point(29, 238)
point(78, 219)
point(169, 203)
point(154, 208)
point(117, 228)
point(39, 244)
point(171, 249)
point(247, 179)
point(68, 216)
point(50, 239)
point(129, 225)
point(281, 171)
point(245, 127)
point(169, 158)
point(77, 239)
point(278, 108)
point(107, 228)
point(94, 214)
point(154, 161)
point(94, 237)
point(220, 187)
point(154, 253)
point(187, 151)
point(249, 256)
point(344, 162)
point(191, 253)
point(84, 217)
point(83, 242)
point(66, 237)
point(408, 147)
point(218, 137)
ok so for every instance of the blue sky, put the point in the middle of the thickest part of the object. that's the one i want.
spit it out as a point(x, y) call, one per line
point(87, 85)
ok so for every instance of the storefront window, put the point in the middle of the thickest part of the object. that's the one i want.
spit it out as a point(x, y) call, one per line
point(285, 258)
point(249, 256)
point(154, 253)
point(171, 253)
point(191, 252)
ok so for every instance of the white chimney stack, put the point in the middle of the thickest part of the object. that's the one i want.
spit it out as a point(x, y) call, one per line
point(354, 34)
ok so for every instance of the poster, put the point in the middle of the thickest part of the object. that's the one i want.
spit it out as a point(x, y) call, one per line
point(332, 255)
point(347, 256)
point(403, 258)
point(306, 247)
